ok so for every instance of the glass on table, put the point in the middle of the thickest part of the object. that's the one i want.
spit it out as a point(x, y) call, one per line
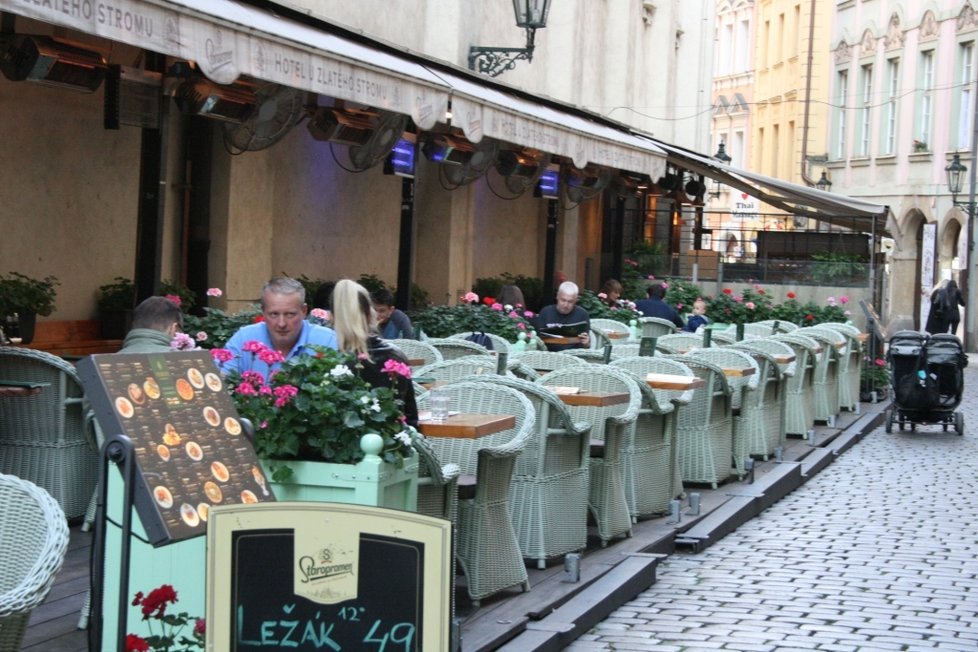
point(440, 402)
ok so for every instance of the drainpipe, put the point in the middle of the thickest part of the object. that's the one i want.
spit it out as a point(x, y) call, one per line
point(808, 97)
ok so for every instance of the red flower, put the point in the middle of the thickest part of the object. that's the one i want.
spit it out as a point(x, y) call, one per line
point(810, 317)
point(791, 295)
point(727, 291)
point(259, 318)
point(200, 627)
point(154, 604)
point(135, 643)
point(488, 301)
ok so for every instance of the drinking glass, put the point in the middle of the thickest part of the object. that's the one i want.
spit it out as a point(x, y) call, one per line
point(440, 404)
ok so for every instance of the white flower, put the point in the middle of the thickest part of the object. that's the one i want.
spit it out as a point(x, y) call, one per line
point(403, 438)
point(508, 308)
point(339, 371)
point(364, 399)
point(376, 406)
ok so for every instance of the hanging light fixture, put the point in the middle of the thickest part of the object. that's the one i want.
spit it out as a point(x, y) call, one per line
point(955, 176)
point(823, 182)
point(724, 158)
point(531, 15)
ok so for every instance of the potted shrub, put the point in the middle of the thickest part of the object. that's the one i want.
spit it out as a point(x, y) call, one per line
point(115, 303)
point(22, 298)
point(179, 294)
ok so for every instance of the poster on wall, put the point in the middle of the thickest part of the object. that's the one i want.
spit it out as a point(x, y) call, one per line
point(928, 251)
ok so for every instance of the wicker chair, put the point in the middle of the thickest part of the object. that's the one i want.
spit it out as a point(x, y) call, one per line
point(488, 551)
point(644, 365)
point(656, 326)
point(648, 464)
point(749, 436)
point(759, 329)
point(678, 342)
point(34, 538)
point(799, 413)
point(828, 372)
point(854, 353)
point(545, 361)
point(704, 428)
point(593, 356)
point(415, 350)
point(48, 438)
point(600, 329)
point(452, 370)
point(550, 484)
point(499, 343)
point(611, 431)
point(437, 483)
point(770, 388)
point(454, 348)
point(624, 350)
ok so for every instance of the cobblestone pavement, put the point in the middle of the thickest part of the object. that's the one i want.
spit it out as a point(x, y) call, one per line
point(877, 552)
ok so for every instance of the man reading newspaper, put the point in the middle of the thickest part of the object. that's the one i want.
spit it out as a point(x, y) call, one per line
point(564, 322)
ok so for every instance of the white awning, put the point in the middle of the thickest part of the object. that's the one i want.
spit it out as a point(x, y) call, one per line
point(227, 39)
point(791, 197)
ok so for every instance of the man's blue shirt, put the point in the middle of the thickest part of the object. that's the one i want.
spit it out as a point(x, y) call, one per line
point(242, 361)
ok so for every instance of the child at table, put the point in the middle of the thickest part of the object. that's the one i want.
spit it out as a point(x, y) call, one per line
point(697, 318)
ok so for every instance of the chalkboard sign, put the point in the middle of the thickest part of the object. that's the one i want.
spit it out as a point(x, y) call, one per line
point(323, 576)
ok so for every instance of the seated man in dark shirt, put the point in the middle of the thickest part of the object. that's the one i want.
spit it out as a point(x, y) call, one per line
point(654, 306)
point(393, 323)
point(565, 317)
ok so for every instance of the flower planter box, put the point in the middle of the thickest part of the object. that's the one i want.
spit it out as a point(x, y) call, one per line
point(371, 482)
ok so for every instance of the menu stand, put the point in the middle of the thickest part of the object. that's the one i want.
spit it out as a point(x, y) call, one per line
point(118, 450)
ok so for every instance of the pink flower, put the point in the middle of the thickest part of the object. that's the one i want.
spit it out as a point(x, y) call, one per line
point(284, 394)
point(396, 368)
point(880, 362)
point(739, 299)
point(679, 306)
point(253, 377)
point(214, 292)
point(830, 301)
point(270, 356)
point(528, 314)
point(665, 286)
point(182, 342)
point(843, 300)
point(521, 326)
point(265, 390)
point(497, 306)
point(319, 313)
point(471, 297)
point(172, 298)
point(263, 424)
point(245, 390)
point(512, 314)
point(200, 627)
point(749, 305)
point(253, 346)
point(650, 277)
point(201, 336)
point(602, 295)
point(221, 355)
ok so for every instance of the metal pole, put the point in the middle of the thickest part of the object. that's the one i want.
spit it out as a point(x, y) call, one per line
point(971, 310)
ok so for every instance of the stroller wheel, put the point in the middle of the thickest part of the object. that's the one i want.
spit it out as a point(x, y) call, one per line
point(889, 421)
point(959, 423)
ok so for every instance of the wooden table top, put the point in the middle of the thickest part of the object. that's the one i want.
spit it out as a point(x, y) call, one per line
point(862, 337)
point(467, 426)
point(593, 399)
point(616, 335)
point(416, 362)
point(674, 381)
point(783, 358)
point(738, 372)
point(561, 340)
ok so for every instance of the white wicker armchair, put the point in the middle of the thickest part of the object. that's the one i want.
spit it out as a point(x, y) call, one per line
point(34, 538)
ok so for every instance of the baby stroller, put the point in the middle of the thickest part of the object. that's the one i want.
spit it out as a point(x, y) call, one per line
point(927, 380)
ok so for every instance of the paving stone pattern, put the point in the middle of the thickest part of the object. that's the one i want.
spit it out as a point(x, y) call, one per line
point(877, 552)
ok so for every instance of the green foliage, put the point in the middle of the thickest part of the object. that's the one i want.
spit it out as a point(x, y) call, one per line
point(874, 374)
point(419, 297)
point(172, 288)
point(21, 293)
point(832, 268)
point(641, 265)
point(373, 283)
point(810, 313)
point(681, 295)
point(317, 408)
point(118, 295)
point(218, 326)
point(531, 287)
point(310, 285)
point(729, 308)
point(598, 309)
point(442, 321)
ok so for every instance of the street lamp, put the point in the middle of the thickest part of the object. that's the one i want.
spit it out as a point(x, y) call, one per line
point(531, 15)
point(823, 183)
point(724, 158)
point(955, 172)
point(955, 177)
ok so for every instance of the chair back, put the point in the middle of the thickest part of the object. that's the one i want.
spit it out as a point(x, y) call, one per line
point(730, 358)
point(48, 437)
point(546, 361)
point(437, 483)
point(453, 348)
point(499, 343)
point(644, 365)
point(608, 331)
point(415, 350)
point(775, 349)
point(601, 379)
point(451, 370)
point(593, 356)
point(624, 350)
point(783, 326)
point(679, 342)
point(34, 538)
point(759, 329)
point(655, 326)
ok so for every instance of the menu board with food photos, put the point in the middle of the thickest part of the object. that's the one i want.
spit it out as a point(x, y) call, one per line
point(189, 446)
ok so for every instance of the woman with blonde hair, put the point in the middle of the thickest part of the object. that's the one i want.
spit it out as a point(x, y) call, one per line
point(379, 363)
